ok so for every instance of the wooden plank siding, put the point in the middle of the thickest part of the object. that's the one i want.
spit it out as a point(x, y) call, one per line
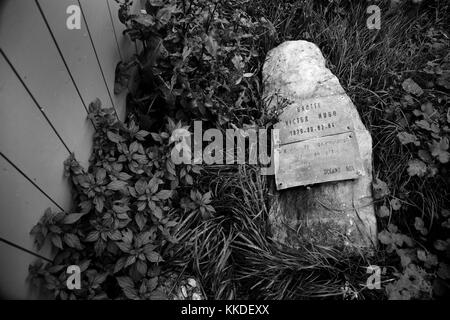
point(48, 76)
point(105, 45)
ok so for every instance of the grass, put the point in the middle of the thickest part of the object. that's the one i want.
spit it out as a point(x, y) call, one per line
point(234, 257)
point(232, 254)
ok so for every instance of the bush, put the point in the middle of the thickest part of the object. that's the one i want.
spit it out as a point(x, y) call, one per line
point(129, 204)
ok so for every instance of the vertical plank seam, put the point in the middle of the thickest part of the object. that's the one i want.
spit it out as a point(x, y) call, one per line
point(33, 98)
point(62, 58)
point(114, 29)
point(30, 180)
point(98, 59)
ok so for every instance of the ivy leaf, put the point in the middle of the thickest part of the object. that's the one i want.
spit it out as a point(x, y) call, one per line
point(153, 256)
point(121, 209)
point(119, 264)
point(156, 137)
point(72, 241)
point(72, 218)
point(420, 226)
point(56, 240)
point(441, 245)
point(416, 168)
point(380, 189)
point(421, 255)
point(383, 212)
point(99, 279)
point(99, 204)
point(125, 282)
point(95, 106)
point(127, 285)
point(446, 224)
point(99, 247)
point(157, 212)
point(164, 14)
point(164, 194)
point(140, 186)
point(152, 283)
point(140, 135)
point(238, 63)
point(100, 175)
point(444, 271)
point(141, 205)
point(141, 267)
point(145, 20)
point(117, 185)
point(141, 220)
point(439, 150)
point(127, 236)
point(428, 258)
point(424, 124)
point(124, 246)
point(84, 265)
point(189, 179)
point(406, 138)
point(170, 167)
point(410, 86)
point(92, 236)
point(134, 147)
point(385, 237)
point(427, 108)
point(124, 176)
point(115, 235)
point(114, 137)
point(396, 204)
point(211, 46)
point(130, 260)
point(425, 156)
point(406, 256)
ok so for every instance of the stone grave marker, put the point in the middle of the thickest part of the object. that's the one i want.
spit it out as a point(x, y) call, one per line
point(322, 154)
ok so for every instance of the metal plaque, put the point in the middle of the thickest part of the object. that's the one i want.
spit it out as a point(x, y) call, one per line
point(312, 118)
point(324, 159)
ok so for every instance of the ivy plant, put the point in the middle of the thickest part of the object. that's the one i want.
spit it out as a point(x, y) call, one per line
point(128, 205)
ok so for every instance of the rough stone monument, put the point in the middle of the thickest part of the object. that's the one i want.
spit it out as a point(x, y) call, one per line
point(322, 155)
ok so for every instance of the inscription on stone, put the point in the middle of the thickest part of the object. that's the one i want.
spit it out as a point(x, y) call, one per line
point(315, 143)
point(324, 159)
point(314, 118)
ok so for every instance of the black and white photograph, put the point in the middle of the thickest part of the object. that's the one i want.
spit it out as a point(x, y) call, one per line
point(221, 156)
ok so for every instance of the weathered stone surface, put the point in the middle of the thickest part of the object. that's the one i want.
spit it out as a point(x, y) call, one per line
point(337, 214)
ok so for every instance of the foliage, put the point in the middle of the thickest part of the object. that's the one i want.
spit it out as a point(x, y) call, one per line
point(200, 60)
point(418, 204)
point(138, 215)
point(129, 204)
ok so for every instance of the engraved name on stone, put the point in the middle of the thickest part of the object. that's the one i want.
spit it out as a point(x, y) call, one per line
point(315, 143)
point(313, 118)
point(331, 158)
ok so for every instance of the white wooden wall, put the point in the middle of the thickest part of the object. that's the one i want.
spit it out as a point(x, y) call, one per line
point(48, 76)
